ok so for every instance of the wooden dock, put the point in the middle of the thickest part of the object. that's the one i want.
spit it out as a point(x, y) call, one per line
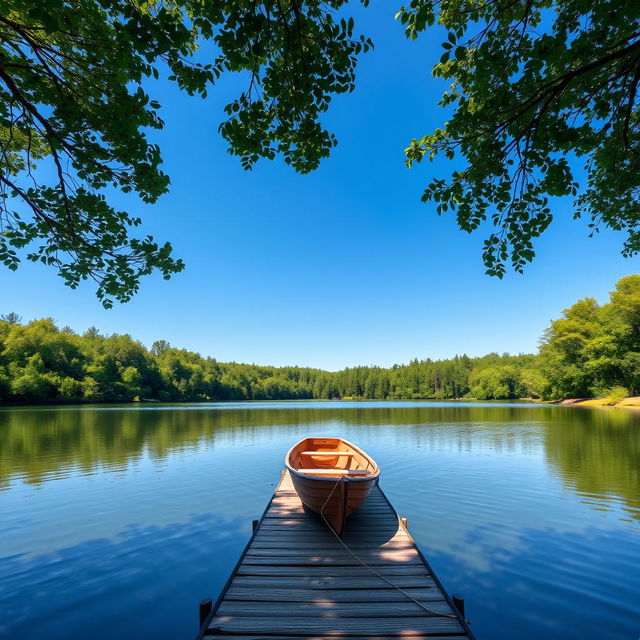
point(296, 581)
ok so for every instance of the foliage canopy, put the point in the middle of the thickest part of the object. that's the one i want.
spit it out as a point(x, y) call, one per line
point(594, 350)
point(73, 105)
point(533, 83)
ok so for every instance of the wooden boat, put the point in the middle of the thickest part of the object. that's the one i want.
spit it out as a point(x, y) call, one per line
point(332, 477)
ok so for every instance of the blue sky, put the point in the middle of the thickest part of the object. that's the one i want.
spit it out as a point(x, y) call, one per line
point(341, 267)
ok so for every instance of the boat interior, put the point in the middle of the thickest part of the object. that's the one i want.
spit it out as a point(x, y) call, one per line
point(330, 457)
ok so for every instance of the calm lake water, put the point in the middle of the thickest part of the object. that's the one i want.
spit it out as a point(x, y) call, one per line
point(115, 521)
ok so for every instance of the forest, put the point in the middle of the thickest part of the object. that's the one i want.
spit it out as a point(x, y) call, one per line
point(592, 350)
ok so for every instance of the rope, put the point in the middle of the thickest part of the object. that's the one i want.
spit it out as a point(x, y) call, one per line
point(430, 612)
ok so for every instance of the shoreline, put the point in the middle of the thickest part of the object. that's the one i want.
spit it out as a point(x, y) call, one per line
point(632, 402)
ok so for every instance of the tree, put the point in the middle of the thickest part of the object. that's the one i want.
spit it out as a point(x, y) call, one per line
point(11, 318)
point(594, 348)
point(132, 381)
point(70, 389)
point(72, 106)
point(563, 351)
point(535, 83)
point(623, 312)
point(33, 383)
point(159, 347)
point(92, 333)
point(496, 383)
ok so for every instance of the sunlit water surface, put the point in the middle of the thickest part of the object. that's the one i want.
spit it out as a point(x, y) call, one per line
point(116, 521)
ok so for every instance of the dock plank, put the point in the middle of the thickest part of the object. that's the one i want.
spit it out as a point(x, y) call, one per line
point(335, 582)
point(340, 595)
point(297, 581)
point(327, 608)
point(293, 625)
point(330, 571)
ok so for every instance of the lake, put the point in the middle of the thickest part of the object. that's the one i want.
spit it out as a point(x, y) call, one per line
point(117, 520)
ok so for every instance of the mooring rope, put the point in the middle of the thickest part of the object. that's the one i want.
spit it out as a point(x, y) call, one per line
point(431, 612)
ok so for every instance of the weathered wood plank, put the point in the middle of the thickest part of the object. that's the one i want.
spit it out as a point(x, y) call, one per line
point(339, 595)
point(375, 497)
point(404, 626)
point(400, 542)
point(354, 542)
point(327, 608)
point(393, 553)
point(333, 582)
point(306, 556)
point(294, 503)
point(311, 572)
point(294, 500)
point(313, 522)
point(400, 554)
point(322, 560)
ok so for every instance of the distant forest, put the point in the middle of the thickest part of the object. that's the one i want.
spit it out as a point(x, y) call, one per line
point(591, 351)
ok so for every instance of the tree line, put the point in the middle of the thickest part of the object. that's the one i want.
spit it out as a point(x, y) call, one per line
point(591, 351)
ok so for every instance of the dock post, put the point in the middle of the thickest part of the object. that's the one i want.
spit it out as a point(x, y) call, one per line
point(204, 610)
point(254, 524)
point(458, 602)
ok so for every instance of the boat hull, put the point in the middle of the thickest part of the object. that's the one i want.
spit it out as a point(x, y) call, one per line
point(334, 500)
point(332, 477)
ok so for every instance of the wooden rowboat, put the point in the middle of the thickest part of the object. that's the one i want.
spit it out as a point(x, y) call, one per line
point(332, 477)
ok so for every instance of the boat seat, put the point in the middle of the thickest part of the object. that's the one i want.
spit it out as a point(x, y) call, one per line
point(335, 472)
point(326, 453)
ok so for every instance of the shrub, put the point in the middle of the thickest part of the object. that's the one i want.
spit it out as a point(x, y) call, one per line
point(70, 389)
point(616, 394)
point(31, 386)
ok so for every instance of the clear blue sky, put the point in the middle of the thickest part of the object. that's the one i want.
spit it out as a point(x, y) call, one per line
point(342, 267)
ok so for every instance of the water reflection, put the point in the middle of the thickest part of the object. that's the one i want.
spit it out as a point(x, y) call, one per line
point(36, 443)
point(595, 452)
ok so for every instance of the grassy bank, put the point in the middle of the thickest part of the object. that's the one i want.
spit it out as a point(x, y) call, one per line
point(633, 401)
